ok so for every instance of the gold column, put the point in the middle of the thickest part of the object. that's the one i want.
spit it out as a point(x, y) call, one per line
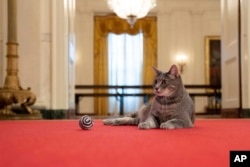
point(12, 92)
point(12, 81)
point(12, 21)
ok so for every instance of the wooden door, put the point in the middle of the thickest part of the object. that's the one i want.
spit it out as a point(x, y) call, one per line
point(230, 55)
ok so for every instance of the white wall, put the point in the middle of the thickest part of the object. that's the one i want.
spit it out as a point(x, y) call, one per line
point(42, 27)
point(245, 53)
point(45, 53)
point(2, 44)
point(43, 35)
point(246, 103)
point(182, 27)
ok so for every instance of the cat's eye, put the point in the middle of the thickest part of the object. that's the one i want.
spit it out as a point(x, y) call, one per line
point(163, 81)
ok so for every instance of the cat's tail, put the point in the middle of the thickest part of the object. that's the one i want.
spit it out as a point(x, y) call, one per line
point(136, 114)
point(132, 118)
point(133, 115)
point(129, 119)
point(121, 121)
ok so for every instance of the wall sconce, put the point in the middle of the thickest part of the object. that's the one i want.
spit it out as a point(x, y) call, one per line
point(181, 61)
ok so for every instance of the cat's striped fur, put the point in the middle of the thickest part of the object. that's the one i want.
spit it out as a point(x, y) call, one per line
point(171, 107)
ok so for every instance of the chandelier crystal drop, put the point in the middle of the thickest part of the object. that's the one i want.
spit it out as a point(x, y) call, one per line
point(131, 9)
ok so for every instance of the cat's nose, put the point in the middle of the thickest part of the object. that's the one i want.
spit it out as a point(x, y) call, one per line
point(156, 88)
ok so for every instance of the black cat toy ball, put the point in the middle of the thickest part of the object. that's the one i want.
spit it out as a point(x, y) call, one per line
point(86, 122)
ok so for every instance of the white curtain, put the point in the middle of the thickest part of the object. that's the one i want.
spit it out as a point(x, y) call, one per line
point(125, 54)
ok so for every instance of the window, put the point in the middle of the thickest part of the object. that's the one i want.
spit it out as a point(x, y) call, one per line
point(125, 63)
point(103, 25)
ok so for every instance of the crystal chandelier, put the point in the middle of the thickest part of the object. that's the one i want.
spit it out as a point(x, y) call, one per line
point(131, 9)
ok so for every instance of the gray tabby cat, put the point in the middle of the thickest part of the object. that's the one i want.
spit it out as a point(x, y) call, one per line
point(171, 107)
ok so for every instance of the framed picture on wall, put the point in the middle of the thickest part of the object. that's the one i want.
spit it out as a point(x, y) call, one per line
point(213, 60)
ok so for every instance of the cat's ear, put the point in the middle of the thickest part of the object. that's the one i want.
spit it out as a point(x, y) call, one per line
point(174, 71)
point(157, 72)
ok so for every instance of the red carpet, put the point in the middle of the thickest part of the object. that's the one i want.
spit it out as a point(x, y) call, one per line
point(62, 143)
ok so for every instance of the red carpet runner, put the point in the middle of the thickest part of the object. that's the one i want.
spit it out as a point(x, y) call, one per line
point(62, 143)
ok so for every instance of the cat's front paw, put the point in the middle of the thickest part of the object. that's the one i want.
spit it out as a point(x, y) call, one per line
point(144, 125)
point(167, 125)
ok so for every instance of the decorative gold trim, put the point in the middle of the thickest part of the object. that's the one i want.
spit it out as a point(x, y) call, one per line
point(207, 56)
